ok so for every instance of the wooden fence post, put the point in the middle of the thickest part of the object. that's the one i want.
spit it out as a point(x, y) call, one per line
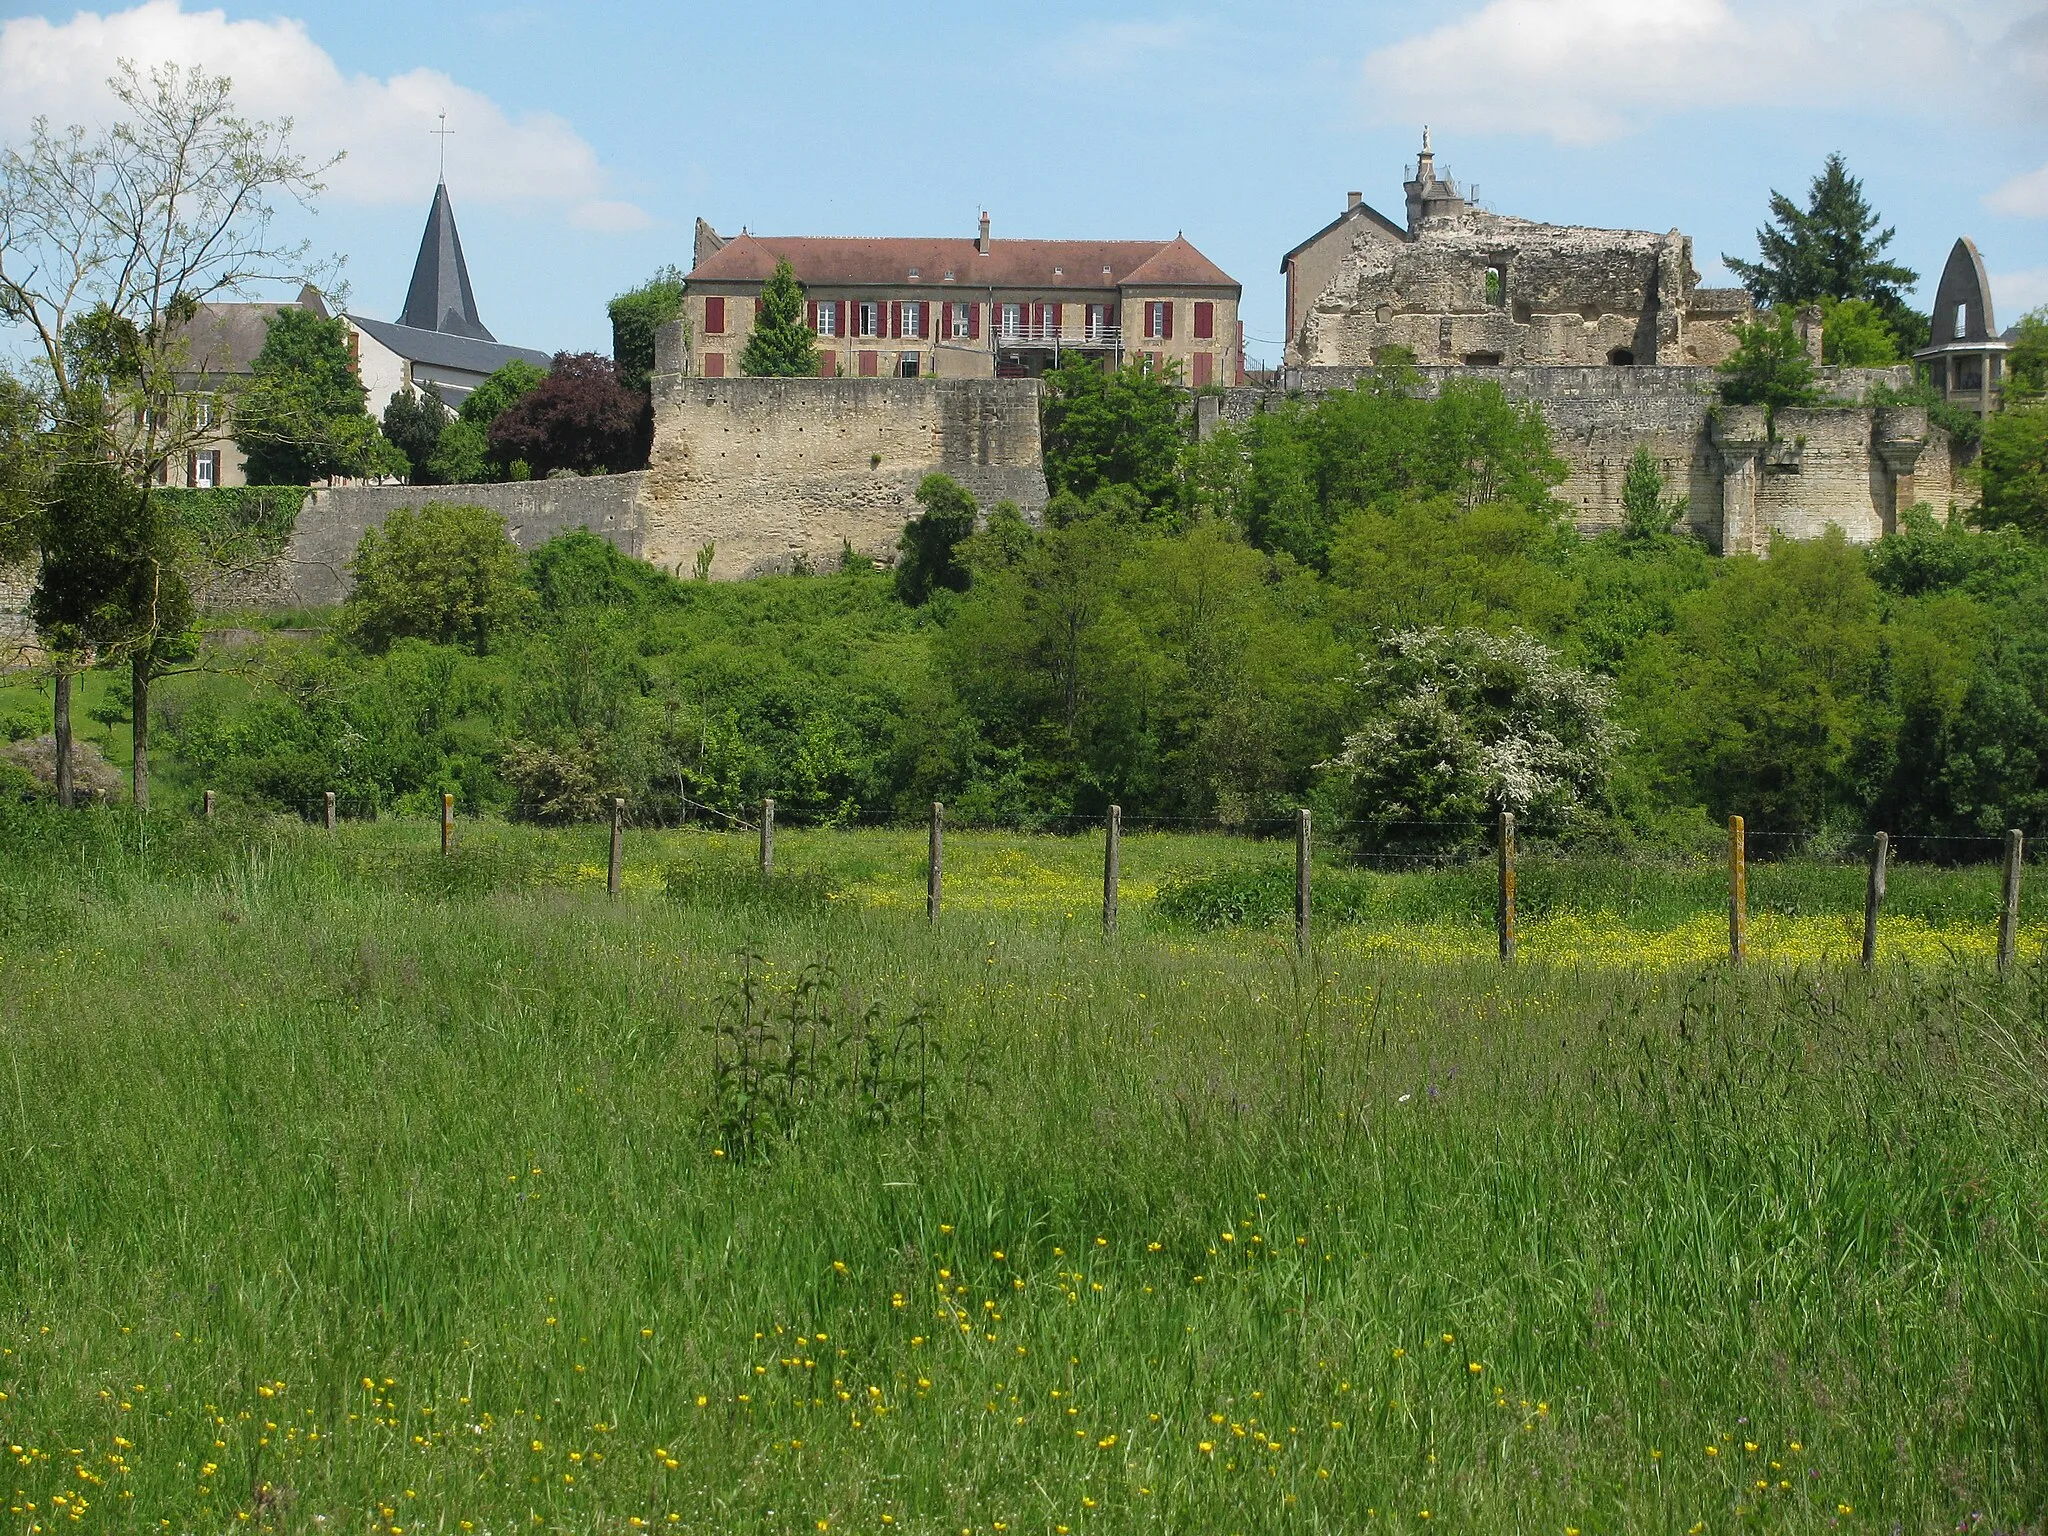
point(1873, 896)
point(329, 807)
point(1301, 880)
point(2009, 906)
point(935, 884)
point(1112, 866)
point(447, 824)
point(767, 837)
point(1507, 888)
point(208, 804)
point(1738, 892)
point(615, 872)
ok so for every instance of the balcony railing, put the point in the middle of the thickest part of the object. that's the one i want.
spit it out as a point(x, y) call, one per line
point(1059, 336)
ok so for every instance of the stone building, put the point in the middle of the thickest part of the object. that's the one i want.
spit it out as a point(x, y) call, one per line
point(979, 308)
point(1460, 285)
point(219, 346)
point(1965, 357)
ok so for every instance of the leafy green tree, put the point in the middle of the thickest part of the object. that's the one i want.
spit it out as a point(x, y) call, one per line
point(510, 383)
point(1770, 366)
point(1855, 333)
point(1121, 426)
point(301, 417)
point(1646, 512)
point(636, 315)
point(1455, 726)
point(462, 456)
point(1769, 696)
point(1830, 249)
point(930, 546)
point(781, 345)
point(2026, 365)
point(446, 573)
point(2014, 466)
point(1418, 564)
point(413, 423)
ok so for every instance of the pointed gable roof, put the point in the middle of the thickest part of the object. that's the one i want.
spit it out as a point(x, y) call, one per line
point(1178, 264)
point(1963, 286)
point(439, 298)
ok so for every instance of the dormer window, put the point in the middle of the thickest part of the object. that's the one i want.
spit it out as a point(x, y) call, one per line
point(913, 274)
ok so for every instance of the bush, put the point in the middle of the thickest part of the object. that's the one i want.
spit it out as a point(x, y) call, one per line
point(446, 573)
point(579, 417)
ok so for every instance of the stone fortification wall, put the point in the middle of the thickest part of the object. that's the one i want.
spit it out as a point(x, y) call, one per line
point(772, 471)
point(315, 565)
point(1846, 464)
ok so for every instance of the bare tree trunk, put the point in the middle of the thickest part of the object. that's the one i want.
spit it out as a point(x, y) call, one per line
point(139, 672)
point(61, 709)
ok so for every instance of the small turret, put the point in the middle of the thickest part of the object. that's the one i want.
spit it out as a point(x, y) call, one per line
point(1429, 199)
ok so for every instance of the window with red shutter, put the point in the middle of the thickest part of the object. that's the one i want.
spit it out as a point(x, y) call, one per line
point(1205, 320)
point(811, 315)
point(714, 365)
point(828, 365)
point(870, 364)
point(1205, 365)
point(757, 311)
point(714, 318)
point(1166, 334)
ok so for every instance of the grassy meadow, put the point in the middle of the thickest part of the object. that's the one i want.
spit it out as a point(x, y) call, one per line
point(346, 1187)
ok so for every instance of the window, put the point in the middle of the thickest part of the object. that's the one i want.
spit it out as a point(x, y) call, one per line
point(868, 319)
point(1013, 319)
point(714, 365)
point(1621, 357)
point(828, 365)
point(913, 319)
point(1962, 319)
point(828, 317)
point(202, 413)
point(1098, 322)
point(1482, 359)
point(1205, 366)
point(960, 322)
point(204, 471)
point(714, 320)
point(1496, 286)
point(1159, 320)
point(870, 362)
point(1205, 320)
point(906, 365)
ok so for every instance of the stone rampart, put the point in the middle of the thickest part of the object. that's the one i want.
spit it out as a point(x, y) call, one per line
point(770, 472)
point(1844, 464)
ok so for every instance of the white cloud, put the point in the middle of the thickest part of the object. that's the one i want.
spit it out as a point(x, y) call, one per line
point(2015, 293)
point(2024, 195)
point(385, 125)
point(1582, 71)
point(610, 218)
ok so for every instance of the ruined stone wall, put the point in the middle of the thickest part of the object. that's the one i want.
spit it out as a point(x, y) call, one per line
point(1849, 465)
point(772, 471)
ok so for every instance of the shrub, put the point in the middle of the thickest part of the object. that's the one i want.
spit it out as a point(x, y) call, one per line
point(445, 573)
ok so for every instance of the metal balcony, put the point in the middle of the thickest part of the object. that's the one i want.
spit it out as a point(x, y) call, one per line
point(1079, 336)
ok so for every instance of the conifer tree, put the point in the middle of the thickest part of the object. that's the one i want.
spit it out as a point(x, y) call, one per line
point(1830, 249)
point(781, 346)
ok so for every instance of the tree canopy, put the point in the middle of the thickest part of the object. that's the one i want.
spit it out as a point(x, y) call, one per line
point(636, 315)
point(301, 417)
point(781, 345)
point(579, 417)
point(1830, 249)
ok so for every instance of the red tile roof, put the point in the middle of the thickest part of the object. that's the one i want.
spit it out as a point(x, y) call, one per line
point(824, 262)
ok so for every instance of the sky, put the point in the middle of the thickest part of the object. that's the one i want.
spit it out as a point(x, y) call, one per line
point(587, 138)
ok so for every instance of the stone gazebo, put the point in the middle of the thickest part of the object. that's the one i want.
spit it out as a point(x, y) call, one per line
point(1966, 359)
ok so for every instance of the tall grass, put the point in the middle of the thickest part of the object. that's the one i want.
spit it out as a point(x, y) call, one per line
point(330, 1197)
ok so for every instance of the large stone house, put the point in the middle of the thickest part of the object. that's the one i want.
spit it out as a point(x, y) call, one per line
point(979, 308)
point(218, 347)
point(1457, 284)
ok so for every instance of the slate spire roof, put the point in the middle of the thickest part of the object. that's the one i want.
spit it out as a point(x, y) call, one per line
point(439, 298)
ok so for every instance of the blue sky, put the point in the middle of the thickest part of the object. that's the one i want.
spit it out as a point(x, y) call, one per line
point(589, 137)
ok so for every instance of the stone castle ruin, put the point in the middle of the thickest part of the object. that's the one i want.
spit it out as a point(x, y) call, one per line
point(1459, 285)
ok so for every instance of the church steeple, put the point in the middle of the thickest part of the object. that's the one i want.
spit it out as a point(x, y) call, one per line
point(439, 298)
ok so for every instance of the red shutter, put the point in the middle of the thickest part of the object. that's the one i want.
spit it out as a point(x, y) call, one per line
point(757, 311)
point(714, 317)
point(828, 365)
point(811, 315)
point(1167, 334)
point(924, 312)
point(1204, 362)
point(974, 322)
point(714, 365)
point(1056, 316)
point(1205, 320)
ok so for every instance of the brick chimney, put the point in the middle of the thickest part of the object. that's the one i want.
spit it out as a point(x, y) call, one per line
point(981, 244)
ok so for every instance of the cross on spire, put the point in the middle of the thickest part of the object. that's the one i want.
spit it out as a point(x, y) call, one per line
point(442, 134)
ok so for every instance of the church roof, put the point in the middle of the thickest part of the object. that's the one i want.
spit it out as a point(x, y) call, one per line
point(441, 349)
point(823, 261)
point(439, 298)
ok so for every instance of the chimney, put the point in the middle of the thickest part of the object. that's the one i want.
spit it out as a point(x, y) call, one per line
point(981, 244)
point(1352, 200)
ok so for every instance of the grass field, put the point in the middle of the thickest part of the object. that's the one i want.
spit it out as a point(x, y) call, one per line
point(343, 1187)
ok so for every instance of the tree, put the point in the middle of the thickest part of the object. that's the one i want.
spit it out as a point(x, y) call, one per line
point(128, 230)
point(636, 316)
point(507, 385)
point(1113, 427)
point(301, 417)
point(446, 573)
point(781, 345)
point(2026, 365)
point(1770, 366)
point(1855, 333)
point(1459, 725)
point(1646, 512)
point(1831, 249)
point(580, 417)
point(931, 541)
point(413, 423)
point(2014, 465)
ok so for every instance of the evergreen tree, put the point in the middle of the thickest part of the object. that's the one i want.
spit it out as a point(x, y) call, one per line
point(1831, 249)
point(782, 345)
point(1645, 510)
point(413, 423)
point(1770, 366)
point(302, 417)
